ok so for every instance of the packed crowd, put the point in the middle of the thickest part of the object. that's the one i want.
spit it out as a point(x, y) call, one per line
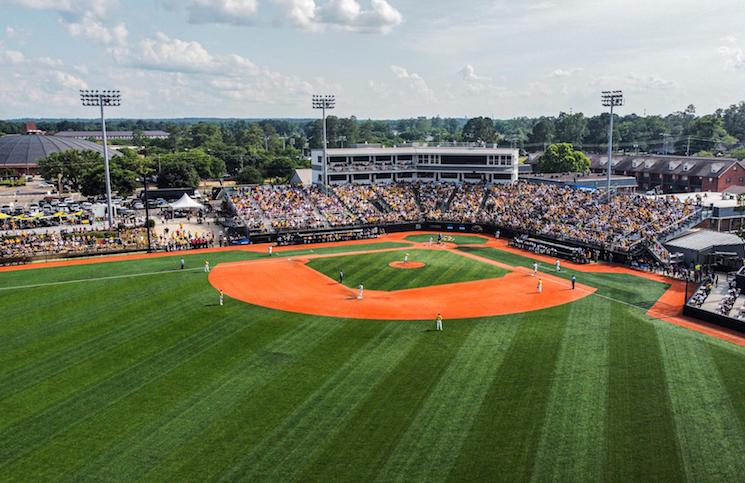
point(557, 212)
point(21, 246)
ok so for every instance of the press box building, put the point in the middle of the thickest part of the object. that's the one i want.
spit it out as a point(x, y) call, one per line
point(376, 164)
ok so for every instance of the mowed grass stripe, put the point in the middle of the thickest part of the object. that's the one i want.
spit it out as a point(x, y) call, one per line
point(642, 441)
point(91, 360)
point(144, 309)
point(290, 445)
point(232, 434)
point(429, 447)
point(503, 441)
point(165, 263)
point(234, 370)
point(713, 447)
point(57, 318)
point(731, 366)
point(27, 435)
point(363, 247)
point(572, 445)
point(359, 448)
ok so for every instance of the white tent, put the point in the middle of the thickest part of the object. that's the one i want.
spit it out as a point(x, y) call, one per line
point(186, 203)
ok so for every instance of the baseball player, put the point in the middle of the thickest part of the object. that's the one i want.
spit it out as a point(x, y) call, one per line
point(438, 322)
point(360, 292)
point(183, 263)
point(406, 259)
point(558, 265)
point(341, 276)
point(535, 268)
point(222, 298)
point(206, 266)
point(271, 249)
point(574, 282)
point(540, 285)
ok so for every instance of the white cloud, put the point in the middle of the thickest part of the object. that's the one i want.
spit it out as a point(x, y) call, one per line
point(468, 74)
point(69, 80)
point(414, 83)
point(734, 56)
point(559, 73)
point(12, 57)
point(81, 18)
point(347, 15)
point(217, 77)
point(235, 12)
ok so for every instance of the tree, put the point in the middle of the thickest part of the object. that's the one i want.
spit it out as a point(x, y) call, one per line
point(69, 166)
point(177, 173)
point(571, 128)
point(123, 181)
point(280, 167)
point(479, 130)
point(249, 175)
point(563, 158)
point(543, 132)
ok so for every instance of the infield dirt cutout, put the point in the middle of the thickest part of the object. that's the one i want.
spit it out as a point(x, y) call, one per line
point(289, 284)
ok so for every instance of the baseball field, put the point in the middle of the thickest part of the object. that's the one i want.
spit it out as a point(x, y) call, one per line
point(129, 369)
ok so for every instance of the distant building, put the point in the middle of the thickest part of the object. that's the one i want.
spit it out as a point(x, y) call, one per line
point(30, 128)
point(675, 174)
point(111, 135)
point(20, 153)
point(369, 164)
point(584, 181)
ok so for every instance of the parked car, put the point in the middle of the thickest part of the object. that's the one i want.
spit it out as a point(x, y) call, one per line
point(138, 205)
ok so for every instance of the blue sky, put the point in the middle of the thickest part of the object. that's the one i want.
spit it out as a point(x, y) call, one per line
point(382, 58)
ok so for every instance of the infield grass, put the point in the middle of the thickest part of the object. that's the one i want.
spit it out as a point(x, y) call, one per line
point(148, 378)
point(452, 238)
point(372, 269)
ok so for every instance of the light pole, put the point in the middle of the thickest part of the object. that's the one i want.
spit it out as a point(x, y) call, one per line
point(611, 99)
point(323, 103)
point(100, 99)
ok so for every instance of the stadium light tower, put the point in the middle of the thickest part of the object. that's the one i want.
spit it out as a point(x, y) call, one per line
point(103, 99)
point(323, 103)
point(611, 99)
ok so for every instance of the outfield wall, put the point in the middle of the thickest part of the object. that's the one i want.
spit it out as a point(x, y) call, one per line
point(714, 318)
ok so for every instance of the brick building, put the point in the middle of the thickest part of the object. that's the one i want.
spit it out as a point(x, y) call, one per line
point(675, 174)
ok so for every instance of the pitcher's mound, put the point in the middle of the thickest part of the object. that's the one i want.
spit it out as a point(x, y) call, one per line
point(407, 265)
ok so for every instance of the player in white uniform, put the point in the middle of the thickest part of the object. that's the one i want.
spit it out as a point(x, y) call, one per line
point(206, 266)
point(222, 297)
point(438, 322)
point(360, 292)
point(271, 249)
point(406, 259)
point(535, 268)
point(558, 265)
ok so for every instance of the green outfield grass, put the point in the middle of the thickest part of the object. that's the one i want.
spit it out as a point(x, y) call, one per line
point(457, 239)
point(373, 272)
point(131, 371)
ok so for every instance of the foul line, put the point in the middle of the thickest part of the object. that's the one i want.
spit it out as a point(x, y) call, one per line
point(98, 279)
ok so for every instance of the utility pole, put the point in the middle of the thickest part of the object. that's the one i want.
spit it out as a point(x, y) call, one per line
point(688, 146)
point(611, 99)
point(324, 102)
point(100, 99)
point(147, 214)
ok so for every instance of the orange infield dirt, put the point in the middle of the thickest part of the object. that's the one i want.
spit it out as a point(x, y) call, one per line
point(289, 284)
point(407, 265)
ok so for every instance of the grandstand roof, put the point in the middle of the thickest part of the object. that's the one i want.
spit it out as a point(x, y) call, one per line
point(682, 165)
point(703, 239)
point(24, 151)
